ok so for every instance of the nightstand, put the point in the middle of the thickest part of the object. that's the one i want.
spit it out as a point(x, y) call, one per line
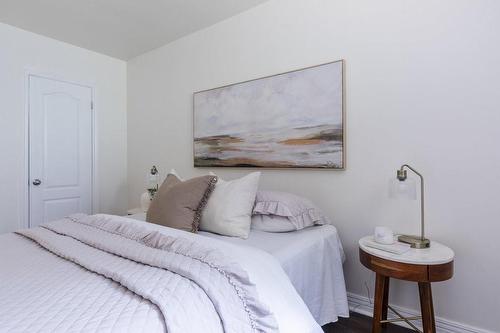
point(418, 265)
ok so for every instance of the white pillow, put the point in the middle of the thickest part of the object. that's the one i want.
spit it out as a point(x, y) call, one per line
point(272, 223)
point(229, 209)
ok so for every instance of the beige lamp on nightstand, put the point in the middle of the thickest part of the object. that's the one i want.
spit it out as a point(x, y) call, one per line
point(401, 186)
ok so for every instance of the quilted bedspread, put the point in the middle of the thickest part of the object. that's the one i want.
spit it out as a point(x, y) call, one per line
point(100, 273)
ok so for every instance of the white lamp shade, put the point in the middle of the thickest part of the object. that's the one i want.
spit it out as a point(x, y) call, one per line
point(153, 180)
point(403, 189)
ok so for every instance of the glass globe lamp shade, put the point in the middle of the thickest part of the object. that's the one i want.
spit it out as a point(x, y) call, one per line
point(403, 189)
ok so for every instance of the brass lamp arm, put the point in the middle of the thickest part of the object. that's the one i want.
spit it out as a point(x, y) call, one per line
point(401, 174)
point(412, 169)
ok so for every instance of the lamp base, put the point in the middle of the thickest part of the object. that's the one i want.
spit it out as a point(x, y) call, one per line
point(416, 242)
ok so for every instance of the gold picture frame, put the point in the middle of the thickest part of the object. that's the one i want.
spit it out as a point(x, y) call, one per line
point(290, 120)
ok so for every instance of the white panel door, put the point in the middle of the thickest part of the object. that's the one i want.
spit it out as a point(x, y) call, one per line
point(60, 149)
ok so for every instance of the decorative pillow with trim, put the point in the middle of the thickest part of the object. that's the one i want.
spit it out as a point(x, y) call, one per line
point(179, 204)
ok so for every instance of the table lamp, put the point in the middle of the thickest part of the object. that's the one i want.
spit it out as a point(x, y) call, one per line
point(404, 187)
point(153, 180)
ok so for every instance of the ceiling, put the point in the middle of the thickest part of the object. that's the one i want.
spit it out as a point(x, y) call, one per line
point(119, 28)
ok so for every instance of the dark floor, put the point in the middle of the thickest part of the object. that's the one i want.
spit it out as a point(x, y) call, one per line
point(359, 324)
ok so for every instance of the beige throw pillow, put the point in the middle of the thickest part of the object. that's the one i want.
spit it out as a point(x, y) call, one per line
point(178, 204)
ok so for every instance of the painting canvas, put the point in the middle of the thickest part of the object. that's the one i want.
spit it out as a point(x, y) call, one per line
point(289, 120)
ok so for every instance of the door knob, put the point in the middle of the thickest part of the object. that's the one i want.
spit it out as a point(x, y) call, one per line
point(37, 182)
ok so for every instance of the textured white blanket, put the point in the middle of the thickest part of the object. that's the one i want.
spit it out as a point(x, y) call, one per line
point(160, 282)
point(103, 273)
point(41, 292)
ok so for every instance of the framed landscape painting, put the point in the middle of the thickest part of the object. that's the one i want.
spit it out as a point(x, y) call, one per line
point(289, 120)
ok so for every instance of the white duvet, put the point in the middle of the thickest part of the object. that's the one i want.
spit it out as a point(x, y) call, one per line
point(42, 292)
point(312, 259)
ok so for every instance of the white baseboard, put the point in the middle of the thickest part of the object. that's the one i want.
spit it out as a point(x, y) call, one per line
point(362, 305)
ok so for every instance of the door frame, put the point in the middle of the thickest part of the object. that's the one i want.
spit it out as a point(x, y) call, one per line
point(94, 192)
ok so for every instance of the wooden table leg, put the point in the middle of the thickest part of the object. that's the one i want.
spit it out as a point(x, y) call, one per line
point(381, 289)
point(385, 301)
point(426, 307)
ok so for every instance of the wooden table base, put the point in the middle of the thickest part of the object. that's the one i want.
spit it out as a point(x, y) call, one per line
point(422, 274)
point(381, 306)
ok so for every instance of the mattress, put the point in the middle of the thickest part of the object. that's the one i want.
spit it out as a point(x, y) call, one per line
point(312, 258)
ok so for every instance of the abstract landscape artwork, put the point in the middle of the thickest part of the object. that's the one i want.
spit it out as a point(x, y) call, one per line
point(289, 120)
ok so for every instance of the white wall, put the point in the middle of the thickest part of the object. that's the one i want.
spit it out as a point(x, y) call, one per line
point(422, 87)
point(21, 51)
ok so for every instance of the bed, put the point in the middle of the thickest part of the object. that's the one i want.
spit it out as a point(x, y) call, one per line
point(114, 274)
point(312, 258)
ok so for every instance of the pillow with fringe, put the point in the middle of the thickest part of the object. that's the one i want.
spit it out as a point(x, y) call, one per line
point(178, 204)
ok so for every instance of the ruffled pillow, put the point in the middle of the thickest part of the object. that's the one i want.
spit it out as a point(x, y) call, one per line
point(272, 223)
point(301, 212)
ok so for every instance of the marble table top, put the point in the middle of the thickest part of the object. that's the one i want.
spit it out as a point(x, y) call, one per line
point(436, 254)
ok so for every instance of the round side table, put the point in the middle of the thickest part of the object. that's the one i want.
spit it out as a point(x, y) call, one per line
point(419, 265)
